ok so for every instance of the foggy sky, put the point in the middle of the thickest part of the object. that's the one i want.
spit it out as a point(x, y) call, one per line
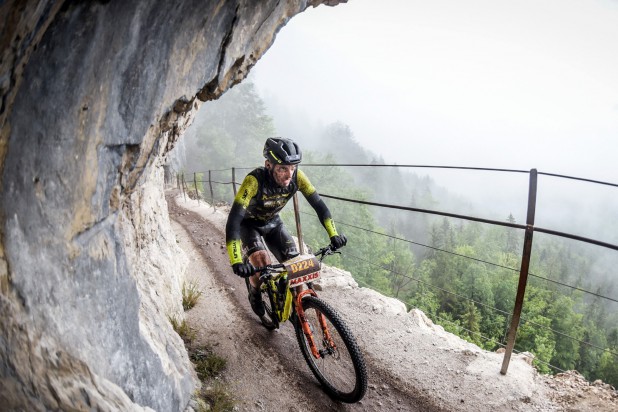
point(463, 83)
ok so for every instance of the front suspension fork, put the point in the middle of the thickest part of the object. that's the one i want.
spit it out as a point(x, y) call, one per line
point(300, 312)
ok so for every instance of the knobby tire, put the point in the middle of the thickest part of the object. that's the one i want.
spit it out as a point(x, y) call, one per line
point(343, 374)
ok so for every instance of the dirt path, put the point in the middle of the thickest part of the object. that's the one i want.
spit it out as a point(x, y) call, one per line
point(413, 365)
point(266, 369)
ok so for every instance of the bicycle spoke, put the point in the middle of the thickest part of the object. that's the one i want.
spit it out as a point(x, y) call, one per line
point(339, 367)
point(336, 366)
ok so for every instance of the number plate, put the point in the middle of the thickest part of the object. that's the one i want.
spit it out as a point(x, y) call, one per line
point(302, 269)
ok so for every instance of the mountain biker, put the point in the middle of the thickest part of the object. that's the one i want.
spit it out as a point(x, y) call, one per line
point(255, 214)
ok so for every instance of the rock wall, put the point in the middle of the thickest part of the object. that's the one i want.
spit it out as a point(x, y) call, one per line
point(94, 94)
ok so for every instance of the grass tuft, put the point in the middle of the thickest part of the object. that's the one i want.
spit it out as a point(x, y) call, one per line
point(207, 364)
point(187, 334)
point(219, 398)
point(214, 395)
point(190, 295)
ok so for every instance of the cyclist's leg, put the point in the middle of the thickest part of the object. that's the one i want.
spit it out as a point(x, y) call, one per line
point(281, 243)
point(254, 249)
point(258, 258)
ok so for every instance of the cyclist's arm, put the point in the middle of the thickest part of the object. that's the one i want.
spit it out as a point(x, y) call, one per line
point(316, 202)
point(247, 191)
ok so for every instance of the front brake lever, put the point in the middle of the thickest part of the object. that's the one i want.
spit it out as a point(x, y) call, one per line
point(328, 253)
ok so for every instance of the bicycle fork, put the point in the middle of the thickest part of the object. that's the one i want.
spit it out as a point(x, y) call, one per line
point(307, 329)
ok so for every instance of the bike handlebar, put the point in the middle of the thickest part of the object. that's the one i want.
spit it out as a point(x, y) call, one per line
point(271, 267)
point(321, 254)
point(325, 251)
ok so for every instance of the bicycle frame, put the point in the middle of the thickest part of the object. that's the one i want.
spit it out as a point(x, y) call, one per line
point(288, 286)
point(293, 298)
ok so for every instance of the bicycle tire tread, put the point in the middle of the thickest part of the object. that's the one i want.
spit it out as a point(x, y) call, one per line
point(360, 368)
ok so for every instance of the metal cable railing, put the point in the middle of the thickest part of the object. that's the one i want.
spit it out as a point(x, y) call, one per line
point(528, 228)
point(476, 219)
point(483, 169)
point(428, 284)
point(423, 245)
point(581, 179)
point(483, 337)
point(481, 220)
point(339, 222)
point(487, 306)
point(470, 299)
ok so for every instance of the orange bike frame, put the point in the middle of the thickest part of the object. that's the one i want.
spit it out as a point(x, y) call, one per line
point(303, 322)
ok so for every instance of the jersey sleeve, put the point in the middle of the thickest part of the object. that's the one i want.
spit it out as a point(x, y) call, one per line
point(316, 202)
point(248, 190)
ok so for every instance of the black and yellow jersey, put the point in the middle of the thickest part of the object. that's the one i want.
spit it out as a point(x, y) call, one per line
point(260, 199)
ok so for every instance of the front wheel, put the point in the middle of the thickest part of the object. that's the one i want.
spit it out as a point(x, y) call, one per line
point(340, 367)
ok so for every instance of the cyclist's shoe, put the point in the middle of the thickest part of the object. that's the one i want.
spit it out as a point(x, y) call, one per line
point(255, 298)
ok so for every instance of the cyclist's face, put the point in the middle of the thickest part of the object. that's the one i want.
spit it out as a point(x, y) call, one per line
point(283, 174)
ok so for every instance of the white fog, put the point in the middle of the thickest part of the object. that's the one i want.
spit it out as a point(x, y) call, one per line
point(480, 83)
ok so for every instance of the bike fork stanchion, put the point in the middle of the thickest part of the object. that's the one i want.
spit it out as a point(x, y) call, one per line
point(523, 274)
point(300, 313)
point(329, 339)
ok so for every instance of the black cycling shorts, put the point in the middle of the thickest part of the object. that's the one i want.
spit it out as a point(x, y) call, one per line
point(277, 238)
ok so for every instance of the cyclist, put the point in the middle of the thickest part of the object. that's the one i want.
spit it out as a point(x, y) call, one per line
point(255, 214)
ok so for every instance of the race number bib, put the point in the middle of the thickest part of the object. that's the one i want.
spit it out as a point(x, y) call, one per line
point(302, 269)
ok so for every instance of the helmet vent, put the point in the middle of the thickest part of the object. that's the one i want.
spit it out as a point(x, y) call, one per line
point(282, 151)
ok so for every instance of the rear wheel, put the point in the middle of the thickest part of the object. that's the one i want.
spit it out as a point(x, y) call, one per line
point(340, 367)
point(269, 319)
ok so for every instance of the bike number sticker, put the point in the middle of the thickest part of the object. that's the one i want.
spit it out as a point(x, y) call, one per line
point(302, 269)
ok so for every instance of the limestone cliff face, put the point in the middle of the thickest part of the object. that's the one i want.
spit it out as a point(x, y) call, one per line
point(94, 94)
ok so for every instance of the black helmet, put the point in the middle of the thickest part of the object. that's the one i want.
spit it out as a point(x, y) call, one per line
point(282, 151)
